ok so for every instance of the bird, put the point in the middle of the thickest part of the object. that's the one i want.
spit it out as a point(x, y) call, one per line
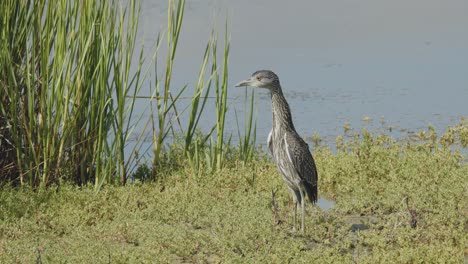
point(287, 148)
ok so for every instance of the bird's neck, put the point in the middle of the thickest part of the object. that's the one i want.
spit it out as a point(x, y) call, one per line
point(281, 113)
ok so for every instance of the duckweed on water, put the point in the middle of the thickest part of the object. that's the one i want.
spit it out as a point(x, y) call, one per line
point(397, 201)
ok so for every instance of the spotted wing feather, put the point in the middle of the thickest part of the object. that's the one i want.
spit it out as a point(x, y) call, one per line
point(270, 142)
point(303, 162)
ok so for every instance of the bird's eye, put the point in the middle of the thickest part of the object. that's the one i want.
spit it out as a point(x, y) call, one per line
point(259, 78)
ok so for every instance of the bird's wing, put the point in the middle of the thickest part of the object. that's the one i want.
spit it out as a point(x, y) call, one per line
point(270, 142)
point(303, 162)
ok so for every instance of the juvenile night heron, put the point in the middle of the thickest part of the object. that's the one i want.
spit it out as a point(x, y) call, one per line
point(290, 152)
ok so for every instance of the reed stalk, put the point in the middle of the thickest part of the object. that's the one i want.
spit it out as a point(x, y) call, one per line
point(66, 70)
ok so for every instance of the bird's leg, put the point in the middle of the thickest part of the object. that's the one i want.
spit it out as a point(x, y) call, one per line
point(295, 204)
point(303, 209)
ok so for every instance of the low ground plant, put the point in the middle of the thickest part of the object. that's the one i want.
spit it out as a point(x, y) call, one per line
point(397, 201)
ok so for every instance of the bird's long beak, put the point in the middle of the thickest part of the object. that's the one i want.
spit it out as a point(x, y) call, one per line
point(244, 83)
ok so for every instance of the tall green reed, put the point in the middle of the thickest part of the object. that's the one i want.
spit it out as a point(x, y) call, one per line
point(221, 84)
point(194, 143)
point(198, 103)
point(164, 100)
point(248, 139)
point(211, 151)
point(199, 150)
point(65, 73)
point(66, 77)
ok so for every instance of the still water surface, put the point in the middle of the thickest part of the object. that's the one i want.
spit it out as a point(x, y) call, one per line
point(338, 61)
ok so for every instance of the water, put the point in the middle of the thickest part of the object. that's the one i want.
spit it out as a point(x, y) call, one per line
point(325, 204)
point(339, 61)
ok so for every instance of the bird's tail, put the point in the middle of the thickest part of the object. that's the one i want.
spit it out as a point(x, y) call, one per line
point(311, 191)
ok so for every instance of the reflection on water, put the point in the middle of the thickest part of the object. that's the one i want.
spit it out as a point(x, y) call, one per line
point(338, 61)
point(325, 204)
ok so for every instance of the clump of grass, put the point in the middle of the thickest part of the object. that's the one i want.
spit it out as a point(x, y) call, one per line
point(83, 51)
point(65, 75)
point(207, 151)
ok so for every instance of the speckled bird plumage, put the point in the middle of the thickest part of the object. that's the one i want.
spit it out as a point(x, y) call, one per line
point(289, 151)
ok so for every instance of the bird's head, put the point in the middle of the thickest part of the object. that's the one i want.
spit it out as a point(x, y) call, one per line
point(262, 79)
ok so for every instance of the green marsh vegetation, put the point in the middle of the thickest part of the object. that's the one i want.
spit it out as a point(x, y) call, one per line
point(397, 201)
point(70, 77)
point(69, 193)
point(65, 75)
